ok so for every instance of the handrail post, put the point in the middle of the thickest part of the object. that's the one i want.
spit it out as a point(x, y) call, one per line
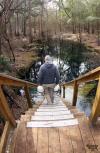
point(96, 105)
point(6, 110)
point(2, 111)
point(75, 93)
point(63, 91)
point(28, 96)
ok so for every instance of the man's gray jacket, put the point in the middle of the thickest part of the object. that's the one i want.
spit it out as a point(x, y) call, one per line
point(48, 74)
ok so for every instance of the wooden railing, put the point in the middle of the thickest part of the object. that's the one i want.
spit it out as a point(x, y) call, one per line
point(4, 107)
point(11, 81)
point(90, 76)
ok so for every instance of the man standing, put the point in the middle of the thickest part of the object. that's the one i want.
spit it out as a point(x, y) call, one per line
point(48, 77)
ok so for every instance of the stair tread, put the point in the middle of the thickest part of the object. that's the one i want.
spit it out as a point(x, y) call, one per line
point(52, 123)
point(40, 118)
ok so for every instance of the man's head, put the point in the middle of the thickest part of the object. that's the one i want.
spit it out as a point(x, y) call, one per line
point(48, 59)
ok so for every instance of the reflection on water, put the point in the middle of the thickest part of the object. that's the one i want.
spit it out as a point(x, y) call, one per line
point(86, 95)
point(84, 104)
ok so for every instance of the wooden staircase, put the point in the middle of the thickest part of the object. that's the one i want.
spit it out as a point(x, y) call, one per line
point(52, 115)
point(79, 138)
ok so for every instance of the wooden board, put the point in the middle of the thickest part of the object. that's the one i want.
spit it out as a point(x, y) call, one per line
point(52, 118)
point(4, 136)
point(30, 145)
point(65, 141)
point(61, 123)
point(53, 113)
point(42, 146)
point(76, 140)
point(87, 136)
point(51, 109)
point(20, 145)
point(35, 138)
point(54, 141)
point(96, 135)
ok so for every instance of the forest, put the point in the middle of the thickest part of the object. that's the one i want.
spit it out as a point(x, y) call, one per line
point(24, 23)
point(68, 30)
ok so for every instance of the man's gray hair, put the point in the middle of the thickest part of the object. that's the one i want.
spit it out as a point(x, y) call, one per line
point(48, 59)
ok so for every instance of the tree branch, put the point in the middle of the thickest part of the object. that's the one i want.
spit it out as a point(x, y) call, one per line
point(65, 9)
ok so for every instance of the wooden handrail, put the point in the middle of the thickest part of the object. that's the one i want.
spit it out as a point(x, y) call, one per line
point(4, 107)
point(96, 105)
point(4, 136)
point(12, 81)
point(90, 76)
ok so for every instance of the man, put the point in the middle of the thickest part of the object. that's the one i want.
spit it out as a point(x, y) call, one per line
point(48, 77)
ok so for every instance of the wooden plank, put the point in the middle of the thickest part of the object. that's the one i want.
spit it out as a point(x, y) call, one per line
point(86, 134)
point(6, 108)
point(75, 93)
point(65, 141)
point(42, 146)
point(2, 112)
point(9, 80)
point(35, 138)
point(63, 91)
point(96, 135)
point(25, 118)
point(15, 137)
point(96, 105)
point(51, 109)
point(4, 136)
point(53, 113)
point(52, 118)
point(20, 144)
point(28, 96)
point(30, 146)
point(54, 140)
point(76, 139)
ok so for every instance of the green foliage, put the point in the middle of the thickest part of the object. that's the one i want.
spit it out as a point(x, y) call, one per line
point(80, 11)
point(4, 64)
point(86, 89)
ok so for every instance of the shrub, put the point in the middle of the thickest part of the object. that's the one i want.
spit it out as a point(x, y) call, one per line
point(4, 64)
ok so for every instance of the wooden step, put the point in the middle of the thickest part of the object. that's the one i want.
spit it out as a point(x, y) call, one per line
point(51, 109)
point(30, 112)
point(25, 118)
point(52, 118)
point(65, 136)
point(53, 113)
point(58, 123)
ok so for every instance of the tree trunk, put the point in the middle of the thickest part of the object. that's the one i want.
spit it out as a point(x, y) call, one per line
point(10, 47)
point(0, 46)
point(88, 28)
point(41, 21)
point(0, 35)
point(98, 33)
point(30, 23)
point(10, 29)
point(24, 20)
point(17, 25)
point(34, 27)
point(80, 34)
point(93, 28)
